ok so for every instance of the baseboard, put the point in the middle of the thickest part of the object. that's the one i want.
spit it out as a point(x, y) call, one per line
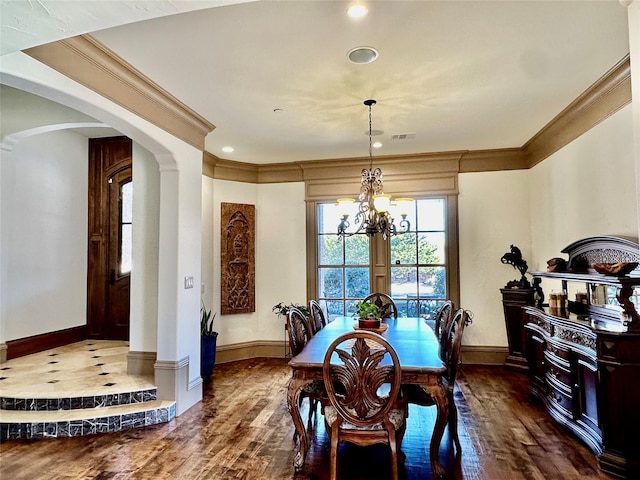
point(38, 343)
point(247, 350)
point(481, 355)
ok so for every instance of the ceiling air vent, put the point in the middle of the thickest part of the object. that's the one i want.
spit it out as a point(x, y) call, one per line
point(403, 136)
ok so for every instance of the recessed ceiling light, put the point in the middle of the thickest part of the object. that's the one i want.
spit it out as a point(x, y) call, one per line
point(357, 11)
point(227, 149)
point(362, 55)
point(376, 145)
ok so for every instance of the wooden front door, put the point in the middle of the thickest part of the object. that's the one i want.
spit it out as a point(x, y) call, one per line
point(109, 251)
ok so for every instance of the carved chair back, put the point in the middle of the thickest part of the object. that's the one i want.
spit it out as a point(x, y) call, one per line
point(385, 303)
point(299, 330)
point(442, 325)
point(318, 320)
point(461, 319)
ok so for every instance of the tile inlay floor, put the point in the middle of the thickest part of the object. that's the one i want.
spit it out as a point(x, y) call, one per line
point(90, 367)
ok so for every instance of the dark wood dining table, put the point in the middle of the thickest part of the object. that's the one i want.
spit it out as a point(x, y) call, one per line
point(417, 349)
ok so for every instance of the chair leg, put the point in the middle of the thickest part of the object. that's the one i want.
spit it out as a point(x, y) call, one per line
point(334, 451)
point(394, 454)
point(313, 403)
point(453, 423)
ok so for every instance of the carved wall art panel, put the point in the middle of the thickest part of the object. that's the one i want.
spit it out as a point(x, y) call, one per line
point(237, 258)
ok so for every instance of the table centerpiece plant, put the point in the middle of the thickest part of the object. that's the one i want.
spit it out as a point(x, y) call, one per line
point(368, 314)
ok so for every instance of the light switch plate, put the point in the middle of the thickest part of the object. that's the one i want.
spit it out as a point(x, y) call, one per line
point(188, 282)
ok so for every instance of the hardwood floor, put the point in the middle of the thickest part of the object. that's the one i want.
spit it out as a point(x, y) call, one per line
point(242, 430)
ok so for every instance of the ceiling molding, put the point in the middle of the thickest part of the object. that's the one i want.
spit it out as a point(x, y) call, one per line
point(493, 160)
point(601, 100)
point(90, 63)
point(87, 61)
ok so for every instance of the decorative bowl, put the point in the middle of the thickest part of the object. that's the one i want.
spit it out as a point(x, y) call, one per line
point(617, 269)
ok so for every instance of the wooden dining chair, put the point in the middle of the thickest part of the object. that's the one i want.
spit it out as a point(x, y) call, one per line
point(385, 303)
point(317, 317)
point(299, 334)
point(442, 325)
point(363, 394)
point(416, 395)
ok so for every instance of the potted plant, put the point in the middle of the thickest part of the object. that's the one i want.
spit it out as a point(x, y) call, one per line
point(282, 309)
point(208, 339)
point(368, 314)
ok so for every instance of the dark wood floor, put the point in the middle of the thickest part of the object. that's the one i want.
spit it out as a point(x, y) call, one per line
point(242, 430)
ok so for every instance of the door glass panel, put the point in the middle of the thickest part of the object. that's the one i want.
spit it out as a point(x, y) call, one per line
point(126, 218)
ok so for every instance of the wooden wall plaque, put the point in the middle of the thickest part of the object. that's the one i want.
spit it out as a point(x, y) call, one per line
point(237, 258)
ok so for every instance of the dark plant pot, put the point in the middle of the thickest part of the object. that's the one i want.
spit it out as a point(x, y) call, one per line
point(368, 323)
point(207, 356)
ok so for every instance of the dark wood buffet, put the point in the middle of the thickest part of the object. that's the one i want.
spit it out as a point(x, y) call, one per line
point(584, 356)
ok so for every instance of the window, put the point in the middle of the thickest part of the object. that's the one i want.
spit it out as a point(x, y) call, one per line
point(418, 261)
point(343, 265)
point(414, 266)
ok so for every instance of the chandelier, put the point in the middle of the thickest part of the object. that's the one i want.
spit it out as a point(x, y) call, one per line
point(373, 212)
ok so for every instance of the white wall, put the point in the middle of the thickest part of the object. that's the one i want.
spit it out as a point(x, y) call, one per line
point(586, 189)
point(493, 213)
point(280, 255)
point(44, 234)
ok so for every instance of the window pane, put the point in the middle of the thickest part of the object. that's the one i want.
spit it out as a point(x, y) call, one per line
point(403, 282)
point(430, 214)
point(356, 250)
point(431, 247)
point(335, 308)
point(351, 308)
point(403, 249)
point(357, 282)
point(125, 259)
point(433, 282)
point(329, 250)
point(411, 218)
point(330, 282)
point(328, 218)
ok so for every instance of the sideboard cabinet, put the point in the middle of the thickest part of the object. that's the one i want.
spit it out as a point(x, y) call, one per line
point(584, 359)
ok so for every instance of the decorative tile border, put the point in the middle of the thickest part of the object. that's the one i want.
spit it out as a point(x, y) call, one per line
point(75, 403)
point(90, 426)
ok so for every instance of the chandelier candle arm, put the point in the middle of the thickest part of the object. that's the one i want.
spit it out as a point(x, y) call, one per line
point(373, 215)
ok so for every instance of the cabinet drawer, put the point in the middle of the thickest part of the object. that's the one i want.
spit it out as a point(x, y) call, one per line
point(558, 373)
point(560, 401)
point(557, 352)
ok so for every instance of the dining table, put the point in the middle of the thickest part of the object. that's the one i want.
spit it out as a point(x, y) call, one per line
point(417, 347)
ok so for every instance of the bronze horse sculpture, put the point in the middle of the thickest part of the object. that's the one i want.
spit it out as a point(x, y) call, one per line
point(514, 258)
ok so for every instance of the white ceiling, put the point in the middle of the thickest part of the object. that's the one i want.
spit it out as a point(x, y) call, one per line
point(461, 75)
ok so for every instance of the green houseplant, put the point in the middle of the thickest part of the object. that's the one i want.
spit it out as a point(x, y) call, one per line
point(208, 338)
point(282, 309)
point(368, 314)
